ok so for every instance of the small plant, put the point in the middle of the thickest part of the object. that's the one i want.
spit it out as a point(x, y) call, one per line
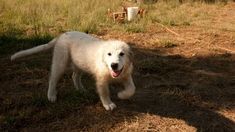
point(9, 120)
point(135, 28)
point(39, 101)
point(167, 44)
point(76, 97)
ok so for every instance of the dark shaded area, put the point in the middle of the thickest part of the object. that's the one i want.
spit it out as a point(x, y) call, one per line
point(190, 89)
point(175, 87)
point(12, 43)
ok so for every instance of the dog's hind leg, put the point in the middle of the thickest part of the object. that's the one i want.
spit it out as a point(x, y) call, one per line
point(129, 89)
point(59, 63)
point(77, 81)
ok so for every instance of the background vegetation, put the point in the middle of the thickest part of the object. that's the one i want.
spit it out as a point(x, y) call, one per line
point(30, 18)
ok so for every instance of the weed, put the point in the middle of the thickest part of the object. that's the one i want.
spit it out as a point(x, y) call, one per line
point(76, 97)
point(167, 44)
point(39, 101)
point(134, 28)
point(9, 120)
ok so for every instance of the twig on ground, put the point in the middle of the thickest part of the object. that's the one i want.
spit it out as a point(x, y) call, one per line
point(226, 49)
point(168, 29)
point(208, 73)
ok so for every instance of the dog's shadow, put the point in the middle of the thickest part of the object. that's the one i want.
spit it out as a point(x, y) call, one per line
point(189, 89)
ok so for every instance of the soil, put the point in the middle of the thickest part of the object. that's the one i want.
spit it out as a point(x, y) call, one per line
point(185, 86)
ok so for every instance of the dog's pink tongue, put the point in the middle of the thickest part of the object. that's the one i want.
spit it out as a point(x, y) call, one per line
point(115, 73)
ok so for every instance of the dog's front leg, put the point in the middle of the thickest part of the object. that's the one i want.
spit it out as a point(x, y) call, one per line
point(103, 91)
point(129, 89)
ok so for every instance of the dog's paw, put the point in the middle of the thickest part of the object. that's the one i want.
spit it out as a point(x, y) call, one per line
point(125, 94)
point(109, 106)
point(52, 98)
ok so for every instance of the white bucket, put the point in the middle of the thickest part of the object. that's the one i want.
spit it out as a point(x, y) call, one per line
point(132, 13)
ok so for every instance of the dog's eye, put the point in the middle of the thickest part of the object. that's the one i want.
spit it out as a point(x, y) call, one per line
point(121, 54)
point(109, 54)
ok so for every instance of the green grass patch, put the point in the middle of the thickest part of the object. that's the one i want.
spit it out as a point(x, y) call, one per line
point(9, 121)
point(134, 28)
point(45, 19)
point(167, 44)
point(39, 101)
point(33, 18)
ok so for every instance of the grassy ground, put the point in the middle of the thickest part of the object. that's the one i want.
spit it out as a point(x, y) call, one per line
point(31, 18)
point(184, 82)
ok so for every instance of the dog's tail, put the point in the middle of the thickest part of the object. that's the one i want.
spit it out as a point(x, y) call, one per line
point(34, 50)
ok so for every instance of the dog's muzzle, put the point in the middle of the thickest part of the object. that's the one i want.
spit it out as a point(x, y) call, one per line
point(114, 70)
point(116, 73)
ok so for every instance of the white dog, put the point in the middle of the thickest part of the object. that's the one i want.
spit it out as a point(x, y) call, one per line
point(109, 61)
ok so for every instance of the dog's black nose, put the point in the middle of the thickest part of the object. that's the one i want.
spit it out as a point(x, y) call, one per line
point(114, 66)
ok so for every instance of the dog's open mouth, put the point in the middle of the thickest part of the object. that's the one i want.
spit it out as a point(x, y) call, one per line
point(116, 73)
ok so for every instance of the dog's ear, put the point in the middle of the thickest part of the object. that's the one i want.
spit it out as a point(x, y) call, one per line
point(131, 55)
point(130, 52)
point(103, 53)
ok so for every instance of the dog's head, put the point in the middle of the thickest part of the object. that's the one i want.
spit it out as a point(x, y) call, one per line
point(117, 57)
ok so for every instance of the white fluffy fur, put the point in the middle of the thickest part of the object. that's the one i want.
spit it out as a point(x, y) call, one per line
point(91, 55)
